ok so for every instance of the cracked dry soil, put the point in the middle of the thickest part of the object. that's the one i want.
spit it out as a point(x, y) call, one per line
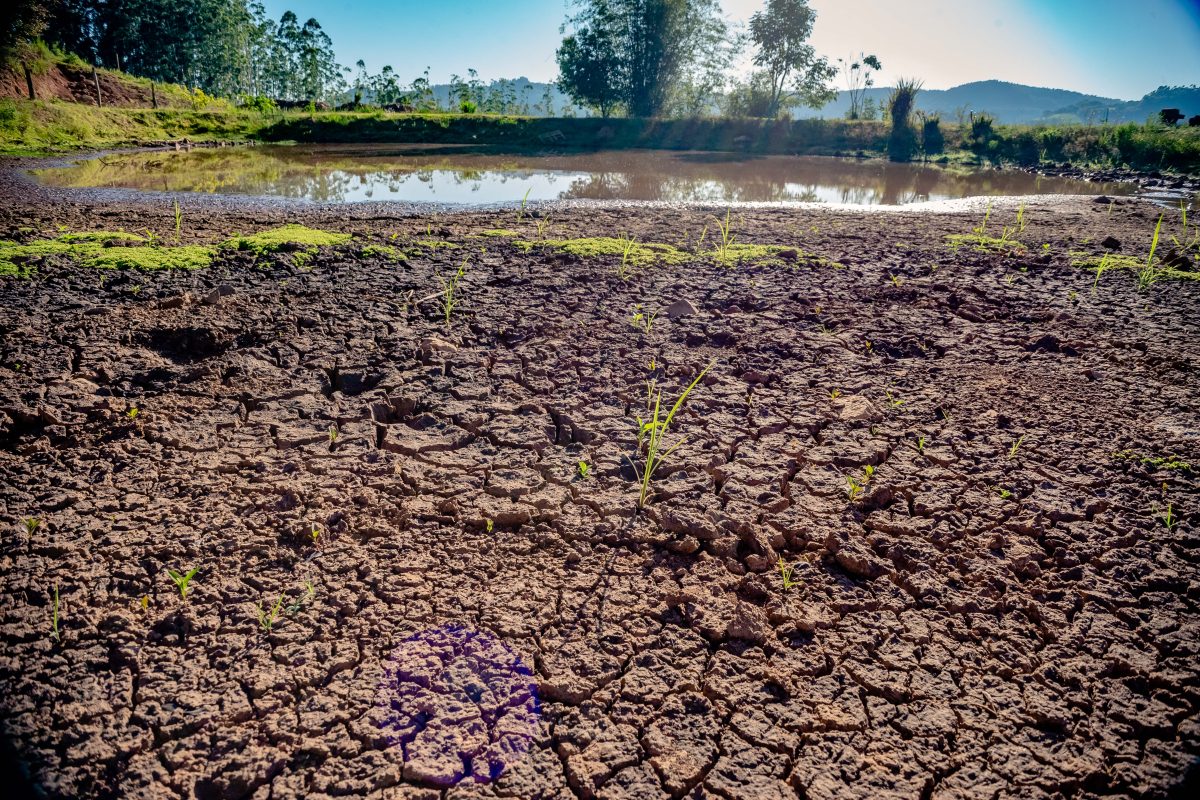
point(977, 622)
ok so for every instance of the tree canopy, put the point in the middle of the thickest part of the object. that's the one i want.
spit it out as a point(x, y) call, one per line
point(793, 73)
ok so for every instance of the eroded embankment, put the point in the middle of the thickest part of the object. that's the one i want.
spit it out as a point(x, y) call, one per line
point(977, 463)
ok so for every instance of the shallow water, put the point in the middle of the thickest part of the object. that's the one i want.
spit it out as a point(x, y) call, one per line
point(471, 176)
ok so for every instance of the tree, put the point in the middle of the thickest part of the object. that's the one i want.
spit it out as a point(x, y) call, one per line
point(793, 71)
point(640, 53)
point(591, 68)
point(20, 21)
point(859, 76)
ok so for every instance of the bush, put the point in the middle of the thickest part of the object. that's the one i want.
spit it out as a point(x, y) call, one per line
point(902, 142)
point(933, 141)
point(259, 103)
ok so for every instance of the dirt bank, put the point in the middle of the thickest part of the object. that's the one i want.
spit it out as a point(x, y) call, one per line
point(406, 588)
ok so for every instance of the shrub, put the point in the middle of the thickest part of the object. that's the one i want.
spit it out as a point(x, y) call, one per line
point(933, 141)
point(902, 142)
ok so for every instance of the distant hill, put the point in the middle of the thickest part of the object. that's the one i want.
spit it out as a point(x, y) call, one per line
point(1015, 103)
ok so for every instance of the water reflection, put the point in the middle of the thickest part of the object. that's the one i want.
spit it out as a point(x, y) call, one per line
point(411, 173)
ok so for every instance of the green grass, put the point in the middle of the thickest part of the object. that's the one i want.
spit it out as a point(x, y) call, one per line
point(152, 258)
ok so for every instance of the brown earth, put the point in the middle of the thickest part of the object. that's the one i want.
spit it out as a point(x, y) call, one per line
point(76, 85)
point(943, 640)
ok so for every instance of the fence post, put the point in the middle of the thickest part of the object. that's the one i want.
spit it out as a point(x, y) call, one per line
point(29, 81)
point(153, 96)
point(96, 80)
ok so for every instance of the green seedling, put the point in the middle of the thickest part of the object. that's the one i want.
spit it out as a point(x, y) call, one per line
point(787, 574)
point(333, 434)
point(31, 525)
point(894, 402)
point(835, 394)
point(856, 486)
point(145, 602)
point(628, 243)
point(1072, 295)
point(653, 432)
point(54, 633)
point(310, 591)
point(921, 445)
point(181, 581)
point(1169, 518)
point(643, 321)
point(1005, 494)
point(1148, 275)
point(1100, 268)
point(896, 280)
point(727, 238)
point(584, 470)
point(524, 204)
point(132, 413)
point(266, 619)
point(450, 299)
point(315, 534)
point(490, 525)
point(542, 226)
point(1012, 451)
point(178, 221)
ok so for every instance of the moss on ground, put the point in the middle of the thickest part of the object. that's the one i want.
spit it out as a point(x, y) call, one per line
point(151, 258)
point(91, 249)
point(501, 232)
point(634, 252)
point(294, 238)
point(385, 251)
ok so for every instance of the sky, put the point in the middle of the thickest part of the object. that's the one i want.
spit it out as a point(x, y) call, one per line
point(1112, 48)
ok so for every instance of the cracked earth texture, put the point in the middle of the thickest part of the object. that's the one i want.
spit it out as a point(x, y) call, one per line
point(347, 472)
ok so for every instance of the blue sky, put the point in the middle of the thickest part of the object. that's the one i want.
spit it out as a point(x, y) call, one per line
point(1114, 48)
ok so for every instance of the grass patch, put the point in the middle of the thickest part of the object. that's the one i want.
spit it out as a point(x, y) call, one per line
point(385, 251)
point(1157, 462)
point(100, 237)
point(635, 253)
point(289, 238)
point(500, 232)
point(151, 258)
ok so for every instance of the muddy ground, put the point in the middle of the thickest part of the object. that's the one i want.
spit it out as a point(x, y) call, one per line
point(981, 620)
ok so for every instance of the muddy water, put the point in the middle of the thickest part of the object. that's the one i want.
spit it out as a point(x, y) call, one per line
point(469, 176)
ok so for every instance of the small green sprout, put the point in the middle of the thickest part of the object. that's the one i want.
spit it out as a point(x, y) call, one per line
point(584, 470)
point(181, 581)
point(490, 525)
point(1148, 275)
point(921, 445)
point(896, 280)
point(178, 221)
point(834, 394)
point(333, 434)
point(787, 574)
point(856, 486)
point(31, 525)
point(1005, 494)
point(628, 243)
point(643, 321)
point(542, 225)
point(54, 632)
point(651, 432)
point(524, 204)
point(1169, 518)
point(145, 602)
point(1012, 451)
point(132, 413)
point(894, 402)
point(450, 299)
point(727, 238)
point(266, 619)
point(315, 533)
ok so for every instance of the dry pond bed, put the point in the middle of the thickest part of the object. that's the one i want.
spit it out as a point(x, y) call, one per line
point(930, 531)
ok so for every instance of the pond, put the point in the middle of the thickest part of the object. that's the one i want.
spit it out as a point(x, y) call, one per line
point(475, 176)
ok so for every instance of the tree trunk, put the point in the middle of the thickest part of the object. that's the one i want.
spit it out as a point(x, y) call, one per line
point(96, 80)
point(153, 96)
point(29, 82)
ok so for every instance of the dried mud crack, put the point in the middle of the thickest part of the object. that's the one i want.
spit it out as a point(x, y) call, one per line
point(978, 464)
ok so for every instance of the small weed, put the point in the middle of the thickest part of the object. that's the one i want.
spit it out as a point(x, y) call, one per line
point(727, 238)
point(1169, 518)
point(835, 394)
point(1012, 451)
point(584, 470)
point(787, 574)
point(643, 321)
point(652, 432)
point(921, 445)
point(1005, 494)
point(627, 245)
point(178, 222)
point(450, 299)
point(31, 525)
point(132, 413)
point(542, 225)
point(524, 204)
point(856, 486)
point(1149, 275)
point(145, 602)
point(54, 632)
point(266, 619)
point(893, 401)
point(181, 581)
point(1158, 462)
point(315, 533)
point(333, 434)
point(490, 525)
point(896, 280)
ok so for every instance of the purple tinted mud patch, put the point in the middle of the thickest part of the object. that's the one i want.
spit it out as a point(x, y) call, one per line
point(460, 705)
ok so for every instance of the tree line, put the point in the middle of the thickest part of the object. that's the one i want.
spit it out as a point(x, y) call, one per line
point(641, 58)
